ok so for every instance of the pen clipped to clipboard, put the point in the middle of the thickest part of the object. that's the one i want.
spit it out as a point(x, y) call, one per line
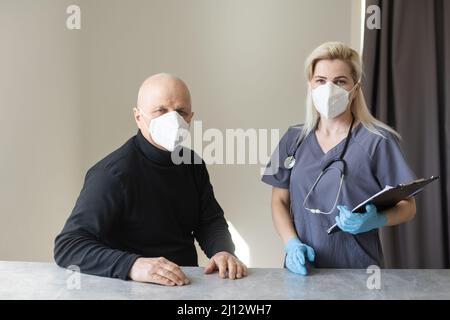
point(390, 196)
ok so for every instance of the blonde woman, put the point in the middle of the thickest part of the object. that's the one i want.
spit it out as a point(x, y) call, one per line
point(339, 157)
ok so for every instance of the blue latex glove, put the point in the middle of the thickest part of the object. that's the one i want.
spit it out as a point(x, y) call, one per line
point(296, 254)
point(355, 223)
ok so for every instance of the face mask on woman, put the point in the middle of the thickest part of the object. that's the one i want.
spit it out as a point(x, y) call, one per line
point(331, 100)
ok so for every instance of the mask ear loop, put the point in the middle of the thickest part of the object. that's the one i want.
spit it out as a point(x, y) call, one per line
point(355, 87)
point(145, 116)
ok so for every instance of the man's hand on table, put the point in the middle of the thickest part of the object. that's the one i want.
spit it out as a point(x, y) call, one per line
point(162, 271)
point(157, 270)
point(226, 263)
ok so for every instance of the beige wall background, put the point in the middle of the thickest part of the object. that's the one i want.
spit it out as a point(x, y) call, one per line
point(66, 96)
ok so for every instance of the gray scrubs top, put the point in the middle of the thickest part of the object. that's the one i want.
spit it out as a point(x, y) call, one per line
point(372, 163)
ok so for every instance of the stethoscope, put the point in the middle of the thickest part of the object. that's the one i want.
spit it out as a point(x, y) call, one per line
point(289, 163)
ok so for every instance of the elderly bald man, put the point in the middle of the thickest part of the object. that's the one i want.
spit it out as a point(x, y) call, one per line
point(138, 212)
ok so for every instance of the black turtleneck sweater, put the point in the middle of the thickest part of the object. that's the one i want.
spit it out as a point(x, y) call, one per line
point(137, 203)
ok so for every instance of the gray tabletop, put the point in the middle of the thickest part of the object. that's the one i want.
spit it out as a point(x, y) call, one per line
point(33, 280)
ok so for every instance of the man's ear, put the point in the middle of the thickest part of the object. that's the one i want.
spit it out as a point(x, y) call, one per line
point(136, 115)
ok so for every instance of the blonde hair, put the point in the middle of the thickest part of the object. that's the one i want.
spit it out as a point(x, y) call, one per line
point(340, 51)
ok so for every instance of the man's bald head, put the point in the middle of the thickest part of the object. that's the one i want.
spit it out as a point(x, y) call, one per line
point(165, 86)
point(159, 94)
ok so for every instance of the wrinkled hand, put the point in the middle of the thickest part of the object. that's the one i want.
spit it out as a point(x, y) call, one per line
point(157, 270)
point(296, 255)
point(355, 223)
point(227, 264)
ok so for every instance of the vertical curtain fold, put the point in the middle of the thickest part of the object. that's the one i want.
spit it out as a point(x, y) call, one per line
point(406, 85)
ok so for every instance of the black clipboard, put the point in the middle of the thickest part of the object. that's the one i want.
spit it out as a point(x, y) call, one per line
point(389, 197)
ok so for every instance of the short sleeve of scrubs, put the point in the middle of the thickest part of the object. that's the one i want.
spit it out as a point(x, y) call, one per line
point(389, 164)
point(276, 174)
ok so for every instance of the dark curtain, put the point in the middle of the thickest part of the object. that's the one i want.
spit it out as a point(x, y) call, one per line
point(407, 85)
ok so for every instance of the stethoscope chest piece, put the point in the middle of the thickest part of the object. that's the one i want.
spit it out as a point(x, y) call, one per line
point(289, 162)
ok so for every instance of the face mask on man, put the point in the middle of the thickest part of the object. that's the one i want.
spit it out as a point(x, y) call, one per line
point(168, 130)
point(331, 100)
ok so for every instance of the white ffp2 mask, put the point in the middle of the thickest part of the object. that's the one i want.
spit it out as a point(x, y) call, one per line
point(168, 130)
point(330, 100)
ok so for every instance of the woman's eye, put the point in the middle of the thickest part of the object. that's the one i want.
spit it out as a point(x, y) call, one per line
point(341, 82)
point(321, 81)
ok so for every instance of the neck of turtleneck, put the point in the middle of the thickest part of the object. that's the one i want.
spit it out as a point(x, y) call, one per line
point(162, 157)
